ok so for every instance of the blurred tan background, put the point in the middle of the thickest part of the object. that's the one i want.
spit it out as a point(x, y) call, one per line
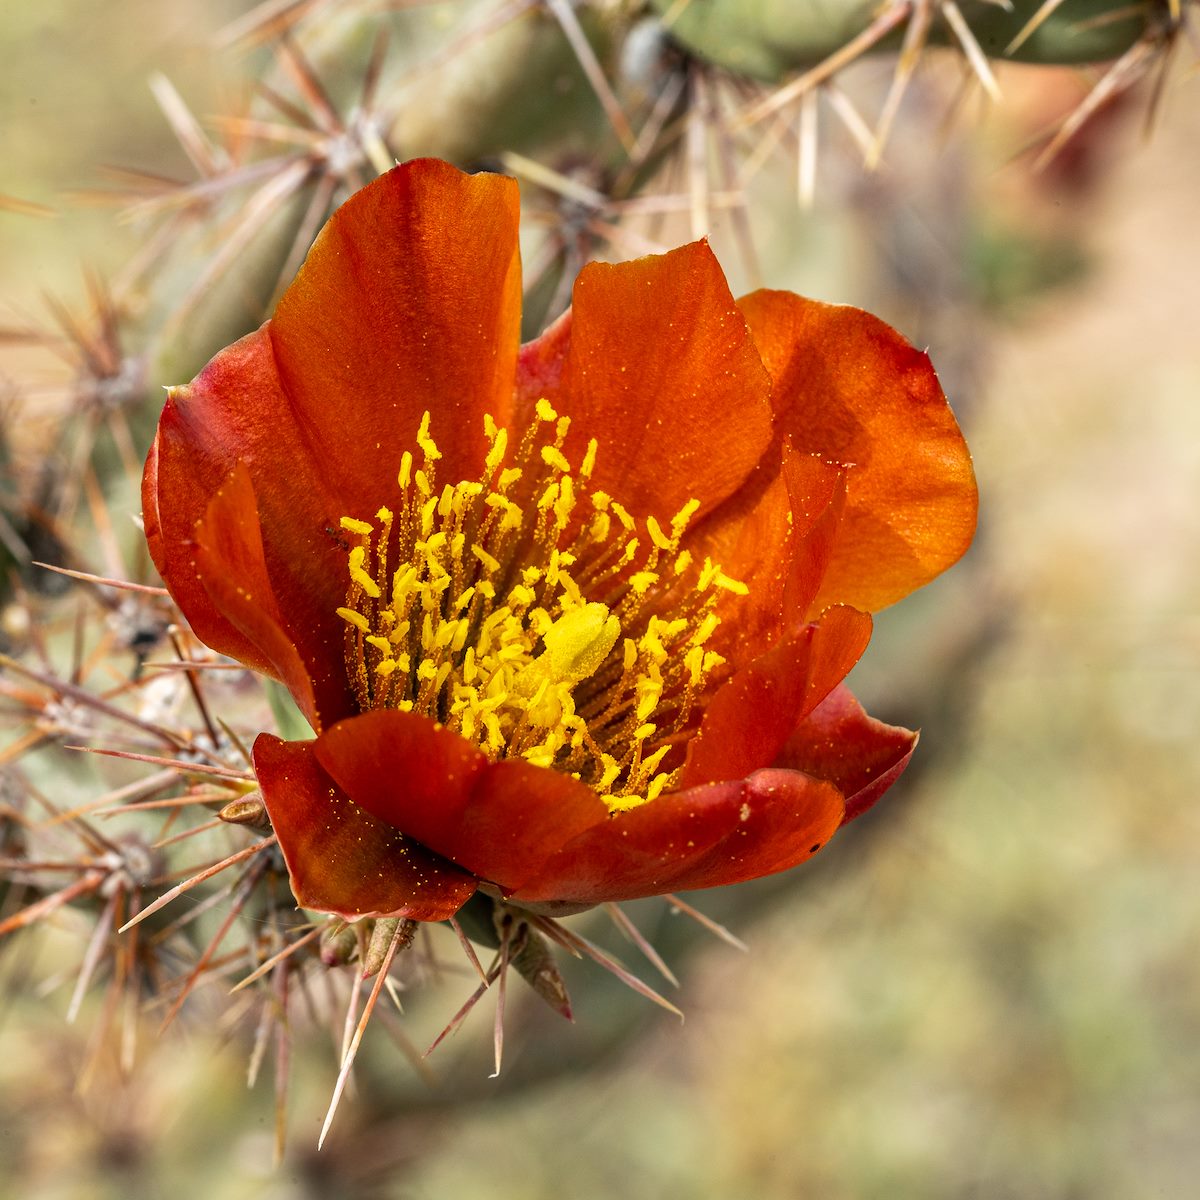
point(992, 989)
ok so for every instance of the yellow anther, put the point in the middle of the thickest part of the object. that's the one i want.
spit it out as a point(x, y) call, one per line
point(705, 629)
point(642, 732)
point(680, 520)
point(423, 485)
point(683, 561)
point(488, 562)
point(643, 581)
point(623, 516)
point(589, 459)
point(656, 534)
point(381, 644)
point(386, 667)
point(553, 457)
point(544, 410)
point(631, 655)
point(427, 444)
point(405, 476)
point(446, 502)
point(357, 558)
point(385, 515)
point(355, 618)
point(736, 586)
point(353, 526)
point(495, 456)
point(427, 510)
point(656, 786)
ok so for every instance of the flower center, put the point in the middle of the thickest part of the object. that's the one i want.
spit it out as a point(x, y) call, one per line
point(534, 615)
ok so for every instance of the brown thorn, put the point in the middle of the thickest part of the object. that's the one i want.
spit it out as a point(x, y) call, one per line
point(895, 15)
point(198, 878)
point(468, 949)
point(192, 768)
point(62, 688)
point(971, 48)
point(621, 920)
point(920, 17)
point(1031, 27)
point(92, 955)
point(461, 1015)
point(1120, 77)
point(194, 687)
point(712, 926)
point(48, 904)
point(506, 939)
point(610, 964)
point(564, 14)
point(398, 938)
point(240, 899)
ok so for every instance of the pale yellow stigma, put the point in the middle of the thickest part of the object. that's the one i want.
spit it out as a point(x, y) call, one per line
point(534, 614)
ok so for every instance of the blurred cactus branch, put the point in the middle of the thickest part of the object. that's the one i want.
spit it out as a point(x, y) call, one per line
point(767, 40)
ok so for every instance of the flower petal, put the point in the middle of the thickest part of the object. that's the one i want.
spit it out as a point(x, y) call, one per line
point(228, 563)
point(662, 371)
point(234, 411)
point(703, 837)
point(775, 535)
point(341, 859)
point(410, 299)
point(846, 386)
point(838, 741)
point(499, 820)
point(749, 719)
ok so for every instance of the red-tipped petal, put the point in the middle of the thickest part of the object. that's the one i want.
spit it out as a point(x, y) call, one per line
point(846, 386)
point(341, 859)
point(838, 741)
point(410, 299)
point(500, 821)
point(749, 719)
point(228, 563)
point(703, 837)
point(662, 371)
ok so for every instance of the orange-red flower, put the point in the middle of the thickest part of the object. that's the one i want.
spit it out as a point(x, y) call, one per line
point(571, 619)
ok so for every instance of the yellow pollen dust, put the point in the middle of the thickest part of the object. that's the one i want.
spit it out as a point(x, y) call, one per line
point(534, 615)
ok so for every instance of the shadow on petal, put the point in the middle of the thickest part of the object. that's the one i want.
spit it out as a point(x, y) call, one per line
point(499, 820)
point(749, 719)
point(341, 859)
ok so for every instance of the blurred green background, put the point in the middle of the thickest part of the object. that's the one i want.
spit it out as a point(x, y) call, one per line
point(989, 990)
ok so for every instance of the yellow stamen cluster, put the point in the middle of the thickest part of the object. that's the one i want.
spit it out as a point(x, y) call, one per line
point(530, 612)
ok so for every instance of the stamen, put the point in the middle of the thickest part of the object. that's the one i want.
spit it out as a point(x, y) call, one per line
point(530, 631)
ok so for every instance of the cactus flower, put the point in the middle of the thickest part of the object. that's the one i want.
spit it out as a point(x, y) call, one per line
point(571, 619)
